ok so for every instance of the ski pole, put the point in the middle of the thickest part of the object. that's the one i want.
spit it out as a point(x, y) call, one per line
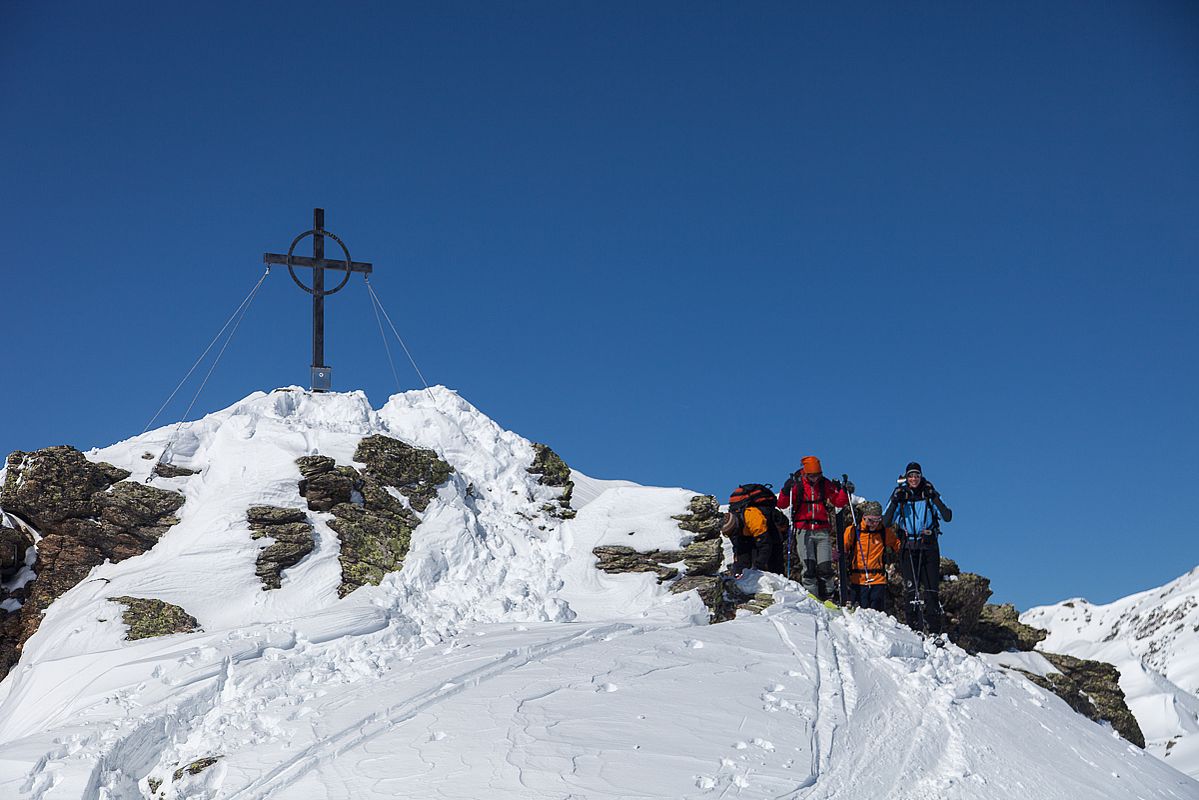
point(843, 576)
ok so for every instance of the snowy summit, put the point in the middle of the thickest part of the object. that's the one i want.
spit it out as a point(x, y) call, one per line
point(310, 598)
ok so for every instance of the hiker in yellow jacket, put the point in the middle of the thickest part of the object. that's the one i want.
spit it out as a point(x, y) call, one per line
point(864, 546)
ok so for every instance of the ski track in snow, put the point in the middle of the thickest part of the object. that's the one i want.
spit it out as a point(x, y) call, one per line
point(499, 662)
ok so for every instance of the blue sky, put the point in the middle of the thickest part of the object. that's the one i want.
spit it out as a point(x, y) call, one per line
point(683, 243)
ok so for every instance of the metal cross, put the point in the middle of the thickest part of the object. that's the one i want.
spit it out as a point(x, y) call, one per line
point(322, 375)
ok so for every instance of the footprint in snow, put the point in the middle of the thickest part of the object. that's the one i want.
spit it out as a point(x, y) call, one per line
point(694, 644)
point(437, 736)
point(607, 687)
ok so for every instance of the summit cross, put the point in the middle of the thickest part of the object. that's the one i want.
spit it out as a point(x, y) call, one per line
point(322, 374)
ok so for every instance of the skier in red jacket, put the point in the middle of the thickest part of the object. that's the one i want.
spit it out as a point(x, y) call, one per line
point(811, 498)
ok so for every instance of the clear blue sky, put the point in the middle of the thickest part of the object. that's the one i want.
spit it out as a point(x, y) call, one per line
point(683, 243)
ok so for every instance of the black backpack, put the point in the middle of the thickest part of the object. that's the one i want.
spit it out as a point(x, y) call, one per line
point(761, 497)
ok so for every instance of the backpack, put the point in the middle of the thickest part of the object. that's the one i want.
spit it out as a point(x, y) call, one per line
point(761, 497)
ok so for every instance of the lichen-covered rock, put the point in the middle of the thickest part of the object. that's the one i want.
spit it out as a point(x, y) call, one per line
point(86, 514)
point(999, 629)
point(701, 558)
point(1092, 688)
point(415, 472)
point(550, 466)
point(616, 559)
point(711, 591)
point(325, 484)
point(164, 470)
point(374, 541)
point(139, 510)
point(291, 536)
point(57, 483)
point(147, 618)
point(553, 471)
point(963, 596)
point(14, 544)
point(373, 527)
point(703, 519)
point(196, 767)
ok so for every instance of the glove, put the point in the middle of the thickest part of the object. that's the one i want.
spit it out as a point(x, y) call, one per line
point(849, 487)
point(930, 490)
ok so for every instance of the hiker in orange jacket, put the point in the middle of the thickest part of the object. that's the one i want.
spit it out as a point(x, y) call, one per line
point(863, 546)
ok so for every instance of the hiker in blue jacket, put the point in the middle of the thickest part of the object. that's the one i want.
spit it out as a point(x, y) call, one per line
point(916, 511)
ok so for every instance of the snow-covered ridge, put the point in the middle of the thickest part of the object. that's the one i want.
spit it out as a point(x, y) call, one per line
point(498, 661)
point(1152, 637)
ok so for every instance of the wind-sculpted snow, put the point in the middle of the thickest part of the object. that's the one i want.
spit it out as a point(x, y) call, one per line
point(1153, 639)
point(498, 662)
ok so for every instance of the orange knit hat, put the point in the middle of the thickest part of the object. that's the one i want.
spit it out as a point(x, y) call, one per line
point(811, 465)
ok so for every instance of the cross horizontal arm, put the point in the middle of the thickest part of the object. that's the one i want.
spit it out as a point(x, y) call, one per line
point(324, 263)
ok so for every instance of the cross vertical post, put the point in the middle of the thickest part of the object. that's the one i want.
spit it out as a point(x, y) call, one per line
point(318, 295)
point(321, 373)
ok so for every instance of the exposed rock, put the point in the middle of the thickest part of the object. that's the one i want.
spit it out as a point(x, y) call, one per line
point(963, 595)
point(550, 466)
point(703, 519)
point(1092, 688)
point(415, 472)
point(86, 514)
point(54, 484)
point(147, 618)
point(553, 471)
point(196, 767)
point(999, 629)
point(14, 544)
point(711, 591)
point(292, 539)
point(325, 484)
point(376, 532)
point(702, 559)
point(617, 559)
point(165, 470)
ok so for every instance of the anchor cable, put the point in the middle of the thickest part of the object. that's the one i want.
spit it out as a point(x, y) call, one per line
point(236, 311)
point(399, 338)
point(236, 319)
point(383, 335)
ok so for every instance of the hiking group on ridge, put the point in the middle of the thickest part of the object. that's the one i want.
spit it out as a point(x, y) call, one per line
point(811, 532)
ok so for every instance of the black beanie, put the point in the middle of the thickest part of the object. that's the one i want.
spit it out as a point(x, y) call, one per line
point(914, 467)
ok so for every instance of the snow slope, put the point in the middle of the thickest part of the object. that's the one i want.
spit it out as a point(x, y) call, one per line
point(1153, 639)
point(498, 662)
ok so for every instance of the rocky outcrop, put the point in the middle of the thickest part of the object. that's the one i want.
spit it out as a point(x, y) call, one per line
point(1092, 688)
point(14, 544)
point(325, 484)
point(999, 629)
point(147, 618)
point(291, 538)
point(86, 514)
point(374, 527)
point(552, 471)
point(165, 470)
point(414, 471)
point(196, 767)
point(701, 560)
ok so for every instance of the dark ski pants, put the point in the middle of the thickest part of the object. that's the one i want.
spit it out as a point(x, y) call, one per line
point(763, 552)
point(871, 596)
point(815, 554)
point(920, 565)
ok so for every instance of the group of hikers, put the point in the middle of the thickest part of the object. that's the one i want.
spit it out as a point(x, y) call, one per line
point(812, 533)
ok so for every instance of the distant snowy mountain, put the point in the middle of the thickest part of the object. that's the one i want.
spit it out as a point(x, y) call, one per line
point(1153, 639)
point(496, 662)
